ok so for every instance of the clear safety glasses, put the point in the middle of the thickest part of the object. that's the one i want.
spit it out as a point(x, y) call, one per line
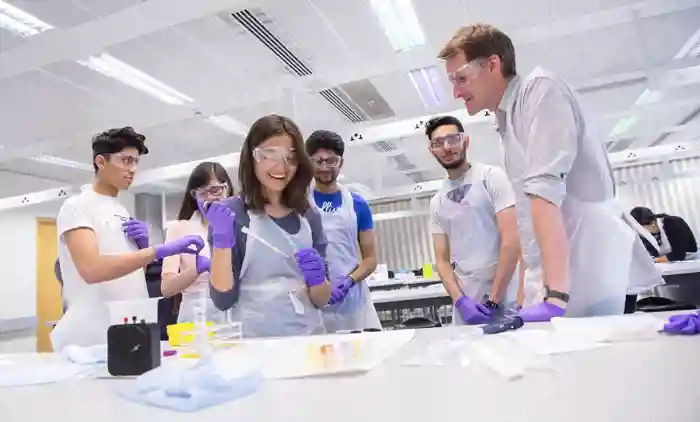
point(451, 140)
point(270, 156)
point(125, 161)
point(208, 191)
point(328, 162)
point(466, 73)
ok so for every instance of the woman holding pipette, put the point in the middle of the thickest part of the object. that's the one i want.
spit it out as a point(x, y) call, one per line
point(186, 273)
point(268, 246)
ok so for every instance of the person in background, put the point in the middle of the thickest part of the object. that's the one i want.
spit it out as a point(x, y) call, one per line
point(590, 255)
point(102, 249)
point(474, 227)
point(268, 245)
point(348, 226)
point(671, 237)
point(185, 273)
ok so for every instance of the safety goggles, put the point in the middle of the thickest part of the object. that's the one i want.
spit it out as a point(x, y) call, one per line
point(466, 73)
point(125, 161)
point(272, 155)
point(329, 162)
point(451, 140)
point(211, 190)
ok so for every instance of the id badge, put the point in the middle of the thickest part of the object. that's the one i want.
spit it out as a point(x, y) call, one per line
point(296, 303)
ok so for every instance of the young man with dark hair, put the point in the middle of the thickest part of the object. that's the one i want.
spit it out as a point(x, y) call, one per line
point(102, 250)
point(582, 255)
point(474, 228)
point(348, 225)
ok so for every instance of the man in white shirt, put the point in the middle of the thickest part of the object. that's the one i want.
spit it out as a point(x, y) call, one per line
point(474, 228)
point(582, 255)
point(102, 250)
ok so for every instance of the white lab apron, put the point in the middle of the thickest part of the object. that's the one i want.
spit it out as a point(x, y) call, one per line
point(605, 262)
point(356, 311)
point(273, 297)
point(474, 241)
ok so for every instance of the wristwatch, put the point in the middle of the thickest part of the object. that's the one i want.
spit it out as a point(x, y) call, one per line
point(488, 302)
point(555, 294)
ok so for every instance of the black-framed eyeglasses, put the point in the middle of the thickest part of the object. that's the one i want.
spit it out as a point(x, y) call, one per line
point(331, 162)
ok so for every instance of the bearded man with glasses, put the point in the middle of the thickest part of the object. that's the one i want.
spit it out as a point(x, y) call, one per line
point(474, 228)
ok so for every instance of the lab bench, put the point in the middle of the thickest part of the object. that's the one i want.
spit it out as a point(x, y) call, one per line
point(649, 381)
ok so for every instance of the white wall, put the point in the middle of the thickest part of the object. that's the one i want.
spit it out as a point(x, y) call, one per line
point(18, 256)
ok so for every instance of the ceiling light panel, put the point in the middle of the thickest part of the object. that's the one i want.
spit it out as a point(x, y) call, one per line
point(400, 23)
point(114, 68)
point(429, 83)
point(20, 22)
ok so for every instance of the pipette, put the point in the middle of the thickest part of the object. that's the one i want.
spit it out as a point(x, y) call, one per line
point(245, 230)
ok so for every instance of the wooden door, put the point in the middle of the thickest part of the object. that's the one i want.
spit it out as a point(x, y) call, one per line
point(49, 305)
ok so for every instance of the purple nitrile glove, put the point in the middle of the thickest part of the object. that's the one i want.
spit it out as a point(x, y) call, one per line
point(202, 264)
point(191, 244)
point(688, 324)
point(472, 312)
point(137, 231)
point(544, 311)
point(311, 265)
point(221, 220)
point(341, 289)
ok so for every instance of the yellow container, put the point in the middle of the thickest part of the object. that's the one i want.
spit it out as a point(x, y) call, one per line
point(183, 333)
point(428, 271)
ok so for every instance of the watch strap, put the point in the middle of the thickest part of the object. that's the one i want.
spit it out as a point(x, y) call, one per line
point(555, 294)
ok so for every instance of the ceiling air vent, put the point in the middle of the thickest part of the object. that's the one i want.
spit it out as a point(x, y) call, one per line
point(252, 24)
point(331, 95)
point(384, 146)
point(257, 23)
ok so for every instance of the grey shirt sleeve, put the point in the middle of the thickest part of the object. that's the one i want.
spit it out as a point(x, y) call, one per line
point(550, 134)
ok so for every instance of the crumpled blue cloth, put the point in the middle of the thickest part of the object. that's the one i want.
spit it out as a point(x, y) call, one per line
point(188, 389)
point(90, 355)
point(687, 324)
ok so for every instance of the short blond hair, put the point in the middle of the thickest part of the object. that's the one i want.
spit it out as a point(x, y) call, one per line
point(479, 41)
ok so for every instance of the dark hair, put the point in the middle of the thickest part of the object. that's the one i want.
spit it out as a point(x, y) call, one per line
point(117, 140)
point(644, 215)
point(439, 121)
point(295, 194)
point(325, 139)
point(201, 176)
point(481, 41)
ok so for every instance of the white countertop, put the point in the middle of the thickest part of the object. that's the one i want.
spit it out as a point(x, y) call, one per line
point(631, 382)
point(679, 267)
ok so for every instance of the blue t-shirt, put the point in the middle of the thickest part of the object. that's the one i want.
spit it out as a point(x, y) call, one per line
point(330, 202)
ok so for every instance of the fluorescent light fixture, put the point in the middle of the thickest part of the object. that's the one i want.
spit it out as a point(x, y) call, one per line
point(427, 82)
point(58, 161)
point(126, 74)
point(400, 23)
point(228, 124)
point(20, 22)
point(25, 25)
point(691, 48)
